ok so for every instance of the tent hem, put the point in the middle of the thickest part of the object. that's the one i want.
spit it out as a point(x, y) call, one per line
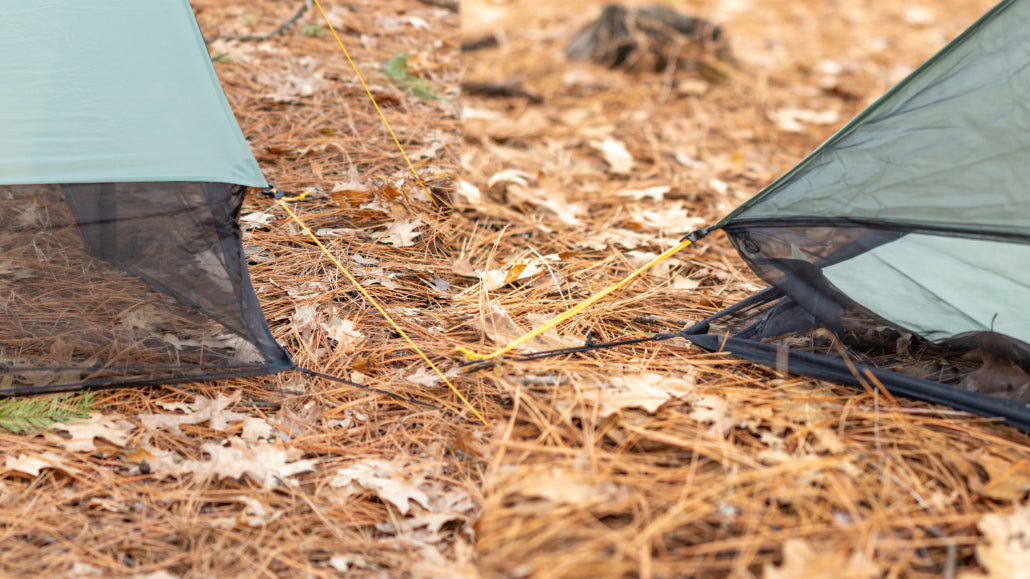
point(949, 229)
point(822, 367)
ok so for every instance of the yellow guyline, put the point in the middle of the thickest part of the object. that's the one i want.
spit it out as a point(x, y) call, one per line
point(379, 308)
point(468, 353)
point(573, 310)
point(382, 116)
point(332, 257)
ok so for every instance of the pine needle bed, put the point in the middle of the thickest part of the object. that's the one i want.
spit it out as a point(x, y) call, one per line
point(650, 460)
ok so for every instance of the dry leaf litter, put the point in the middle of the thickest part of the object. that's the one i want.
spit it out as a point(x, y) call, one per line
point(653, 460)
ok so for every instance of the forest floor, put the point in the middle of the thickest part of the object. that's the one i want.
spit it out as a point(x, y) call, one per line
point(546, 181)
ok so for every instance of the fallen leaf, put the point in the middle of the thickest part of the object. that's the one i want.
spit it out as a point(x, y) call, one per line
point(342, 331)
point(341, 563)
point(560, 341)
point(714, 410)
point(353, 184)
point(497, 325)
point(615, 153)
point(304, 80)
point(304, 319)
point(998, 376)
point(448, 505)
point(461, 565)
point(109, 427)
point(243, 52)
point(919, 16)
point(256, 220)
point(684, 283)
point(693, 86)
point(829, 440)
point(625, 239)
point(293, 422)
point(437, 141)
point(803, 561)
point(468, 193)
point(417, 22)
point(656, 193)
point(965, 467)
point(339, 232)
point(793, 120)
point(510, 176)
point(146, 317)
point(493, 279)
point(362, 260)
point(33, 464)
point(1008, 479)
point(517, 269)
point(424, 377)
point(255, 429)
point(265, 463)
point(463, 267)
point(255, 513)
point(1005, 550)
point(473, 114)
point(669, 217)
point(81, 569)
point(158, 461)
point(553, 201)
point(563, 487)
point(385, 479)
point(14, 270)
point(200, 410)
point(401, 233)
point(661, 270)
point(159, 574)
point(646, 391)
point(531, 124)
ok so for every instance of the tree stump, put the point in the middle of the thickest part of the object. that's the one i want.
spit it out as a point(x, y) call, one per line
point(651, 39)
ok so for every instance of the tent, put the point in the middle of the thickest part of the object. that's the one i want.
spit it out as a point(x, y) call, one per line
point(122, 172)
point(912, 219)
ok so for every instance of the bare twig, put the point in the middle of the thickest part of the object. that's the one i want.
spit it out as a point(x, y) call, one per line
point(271, 34)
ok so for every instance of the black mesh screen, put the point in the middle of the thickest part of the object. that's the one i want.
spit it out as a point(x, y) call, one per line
point(791, 259)
point(778, 327)
point(126, 283)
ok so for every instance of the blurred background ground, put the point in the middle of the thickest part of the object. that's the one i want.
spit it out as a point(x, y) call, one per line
point(741, 471)
point(652, 461)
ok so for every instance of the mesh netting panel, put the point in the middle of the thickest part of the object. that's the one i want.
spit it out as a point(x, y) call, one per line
point(107, 284)
point(803, 262)
point(940, 285)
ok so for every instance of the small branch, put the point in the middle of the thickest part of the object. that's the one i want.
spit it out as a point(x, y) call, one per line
point(448, 4)
point(277, 32)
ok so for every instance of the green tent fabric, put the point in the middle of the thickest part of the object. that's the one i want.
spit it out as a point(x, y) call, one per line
point(100, 91)
point(943, 158)
point(914, 217)
point(122, 174)
point(947, 147)
point(942, 287)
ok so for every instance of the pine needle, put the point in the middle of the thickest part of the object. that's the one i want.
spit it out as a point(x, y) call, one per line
point(23, 415)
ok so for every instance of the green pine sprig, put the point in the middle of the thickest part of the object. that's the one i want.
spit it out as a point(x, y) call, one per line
point(397, 69)
point(24, 415)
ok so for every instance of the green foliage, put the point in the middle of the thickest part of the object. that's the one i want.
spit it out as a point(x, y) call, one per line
point(224, 58)
point(22, 415)
point(313, 31)
point(397, 69)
